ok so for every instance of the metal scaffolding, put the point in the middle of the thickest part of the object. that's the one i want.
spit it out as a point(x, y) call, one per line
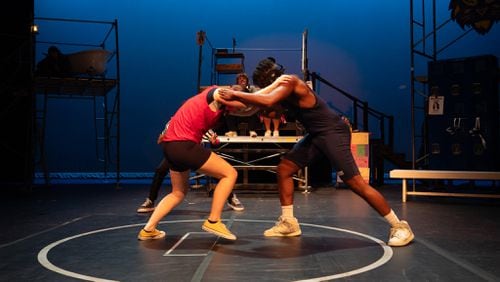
point(102, 89)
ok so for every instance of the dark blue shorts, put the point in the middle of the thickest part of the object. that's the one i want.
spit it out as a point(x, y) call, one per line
point(185, 155)
point(335, 145)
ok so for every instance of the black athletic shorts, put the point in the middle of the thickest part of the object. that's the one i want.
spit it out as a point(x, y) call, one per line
point(335, 145)
point(185, 155)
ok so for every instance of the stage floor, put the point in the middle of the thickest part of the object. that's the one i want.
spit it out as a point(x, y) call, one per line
point(88, 233)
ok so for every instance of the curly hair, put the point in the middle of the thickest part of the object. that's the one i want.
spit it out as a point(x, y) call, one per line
point(241, 74)
point(266, 72)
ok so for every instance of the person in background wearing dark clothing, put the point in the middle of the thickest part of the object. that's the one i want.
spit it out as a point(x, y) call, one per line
point(55, 63)
point(161, 172)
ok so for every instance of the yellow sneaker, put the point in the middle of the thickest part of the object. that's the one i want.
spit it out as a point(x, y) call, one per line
point(150, 235)
point(218, 229)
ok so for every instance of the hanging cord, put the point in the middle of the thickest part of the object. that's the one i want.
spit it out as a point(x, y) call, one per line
point(476, 131)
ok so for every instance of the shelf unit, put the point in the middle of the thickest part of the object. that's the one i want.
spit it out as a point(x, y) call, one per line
point(102, 89)
point(227, 64)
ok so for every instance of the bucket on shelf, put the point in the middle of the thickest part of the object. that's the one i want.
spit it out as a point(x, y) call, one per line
point(91, 62)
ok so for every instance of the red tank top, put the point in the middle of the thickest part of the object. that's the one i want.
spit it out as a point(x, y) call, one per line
point(192, 119)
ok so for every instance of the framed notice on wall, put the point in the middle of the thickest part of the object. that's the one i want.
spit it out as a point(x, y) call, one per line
point(436, 105)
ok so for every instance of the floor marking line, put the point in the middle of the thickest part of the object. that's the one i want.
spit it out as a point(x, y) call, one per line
point(200, 271)
point(43, 231)
point(470, 267)
point(186, 255)
point(169, 252)
point(176, 244)
point(381, 261)
point(44, 261)
point(198, 276)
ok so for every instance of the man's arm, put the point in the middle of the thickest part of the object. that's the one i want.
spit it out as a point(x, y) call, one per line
point(266, 97)
point(233, 104)
point(283, 79)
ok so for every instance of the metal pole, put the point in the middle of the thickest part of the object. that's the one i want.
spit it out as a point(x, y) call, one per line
point(118, 89)
point(305, 62)
point(412, 87)
point(200, 54)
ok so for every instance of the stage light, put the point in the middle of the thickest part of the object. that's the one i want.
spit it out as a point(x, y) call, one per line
point(34, 29)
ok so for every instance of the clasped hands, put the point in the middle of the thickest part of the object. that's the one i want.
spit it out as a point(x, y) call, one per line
point(231, 95)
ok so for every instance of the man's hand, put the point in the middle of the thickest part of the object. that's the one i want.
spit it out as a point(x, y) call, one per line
point(212, 137)
point(284, 79)
point(227, 94)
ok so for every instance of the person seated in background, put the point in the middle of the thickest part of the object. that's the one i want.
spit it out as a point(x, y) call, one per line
point(272, 117)
point(246, 115)
point(55, 63)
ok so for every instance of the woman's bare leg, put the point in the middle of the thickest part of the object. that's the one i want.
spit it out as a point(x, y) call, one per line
point(180, 187)
point(276, 124)
point(267, 123)
point(218, 168)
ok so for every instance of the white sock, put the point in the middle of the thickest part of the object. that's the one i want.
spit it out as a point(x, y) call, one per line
point(287, 211)
point(392, 218)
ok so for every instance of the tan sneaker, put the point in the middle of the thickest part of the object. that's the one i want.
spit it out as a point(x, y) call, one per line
point(150, 235)
point(400, 235)
point(267, 133)
point(235, 203)
point(218, 229)
point(147, 206)
point(285, 227)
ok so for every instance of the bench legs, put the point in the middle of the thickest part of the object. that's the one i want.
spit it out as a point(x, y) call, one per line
point(405, 193)
point(404, 189)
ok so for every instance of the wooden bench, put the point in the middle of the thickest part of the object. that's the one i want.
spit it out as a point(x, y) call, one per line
point(406, 174)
